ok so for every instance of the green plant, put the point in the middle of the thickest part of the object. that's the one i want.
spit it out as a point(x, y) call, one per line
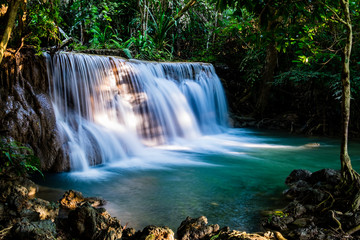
point(279, 214)
point(16, 157)
point(144, 48)
point(42, 24)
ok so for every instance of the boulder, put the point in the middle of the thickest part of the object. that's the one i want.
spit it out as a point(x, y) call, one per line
point(71, 199)
point(295, 209)
point(155, 233)
point(297, 175)
point(15, 191)
point(87, 222)
point(328, 176)
point(196, 228)
point(45, 209)
point(39, 230)
point(297, 190)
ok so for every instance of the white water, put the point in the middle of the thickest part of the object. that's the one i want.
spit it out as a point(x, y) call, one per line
point(110, 110)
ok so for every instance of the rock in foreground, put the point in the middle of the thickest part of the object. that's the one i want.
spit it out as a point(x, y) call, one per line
point(23, 217)
point(319, 208)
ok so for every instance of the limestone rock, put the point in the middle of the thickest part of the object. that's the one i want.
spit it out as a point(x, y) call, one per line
point(234, 235)
point(26, 112)
point(329, 176)
point(71, 199)
point(296, 175)
point(87, 222)
point(196, 228)
point(155, 233)
point(45, 209)
point(40, 230)
point(128, 233)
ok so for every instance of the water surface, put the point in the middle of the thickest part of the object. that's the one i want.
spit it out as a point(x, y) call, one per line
point(229, 178)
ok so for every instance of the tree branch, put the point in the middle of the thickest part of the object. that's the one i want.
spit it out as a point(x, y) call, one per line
point(338, 18)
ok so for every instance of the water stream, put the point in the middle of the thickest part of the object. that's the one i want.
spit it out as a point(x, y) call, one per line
point(153, 140)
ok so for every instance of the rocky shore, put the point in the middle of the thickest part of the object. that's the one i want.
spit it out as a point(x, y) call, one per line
point(316, 210)
point(319, 208)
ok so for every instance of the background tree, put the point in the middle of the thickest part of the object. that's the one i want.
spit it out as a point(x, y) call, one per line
point(10, 15)
point(341, 13)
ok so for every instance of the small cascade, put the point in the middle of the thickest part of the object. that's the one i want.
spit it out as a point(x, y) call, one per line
point(109, 109)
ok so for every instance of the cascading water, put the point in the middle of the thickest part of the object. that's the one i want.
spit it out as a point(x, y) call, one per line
point(108, 108)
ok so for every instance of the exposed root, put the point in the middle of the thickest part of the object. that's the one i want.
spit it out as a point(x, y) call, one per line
point(353, 230)
point(323, 202)
point(22, 42)
point(337, 222)
point(279, 236)
point(356, 201)
point(4, 232)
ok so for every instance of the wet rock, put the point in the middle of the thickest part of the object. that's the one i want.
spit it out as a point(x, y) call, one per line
point(155, 233)
point(196, 228)
point(297, 175)
point(233, 235)
point(15, 191)
point(71, 199)
point(87, 222)
point(26, 112)
point(297, 190)
point(300, 222)
point(311, 232)
point(277, 223)
point(83, 221)
point(295, 209)
point(109, 233)
point(45, 209)
point(329, 176)
point(128, 233)
point(39, 230)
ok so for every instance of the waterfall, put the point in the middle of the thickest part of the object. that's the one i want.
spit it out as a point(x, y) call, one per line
point(108, 108)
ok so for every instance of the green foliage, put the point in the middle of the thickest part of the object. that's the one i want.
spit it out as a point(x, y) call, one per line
point(144, 48)
point(300, 76)
point(15, 157)
point(251, 65)
point(280, 214)
point(42, 21)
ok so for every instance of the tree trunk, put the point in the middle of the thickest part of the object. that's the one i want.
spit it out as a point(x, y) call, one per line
point(144, 15)
point(267, 78)
point(346, 167)
point(13, 7)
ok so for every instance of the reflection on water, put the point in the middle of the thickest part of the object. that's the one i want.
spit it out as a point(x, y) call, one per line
point(230, 178)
